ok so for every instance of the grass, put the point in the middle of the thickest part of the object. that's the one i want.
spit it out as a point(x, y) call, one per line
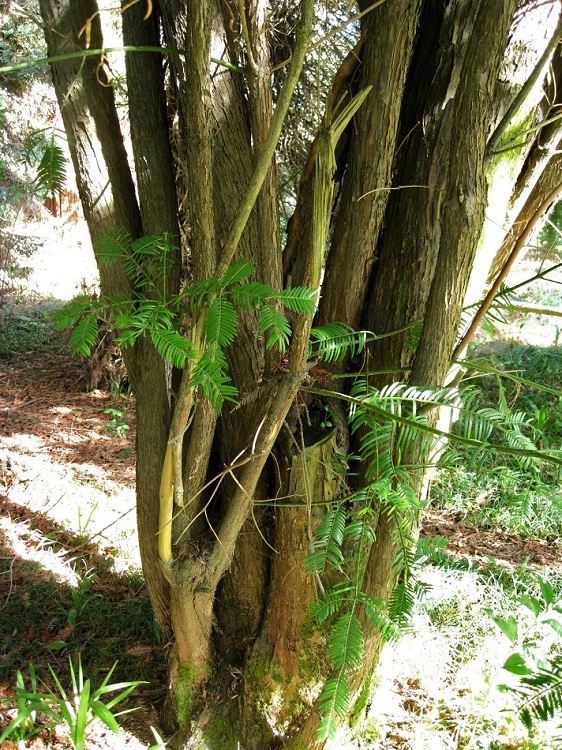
point(502, 500)
point(73, 606)
point(111, 620)
point(64, 599)
point(26, 327)
point(437, 687)
point(539, 364)
point(511, 498)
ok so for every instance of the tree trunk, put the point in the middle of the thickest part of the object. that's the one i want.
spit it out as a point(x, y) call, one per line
point(288, 657)
point(393, 215)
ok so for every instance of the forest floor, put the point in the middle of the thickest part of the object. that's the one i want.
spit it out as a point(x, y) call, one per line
point(70, 578)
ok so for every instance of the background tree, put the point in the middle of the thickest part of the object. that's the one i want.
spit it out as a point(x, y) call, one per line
point(387, 218)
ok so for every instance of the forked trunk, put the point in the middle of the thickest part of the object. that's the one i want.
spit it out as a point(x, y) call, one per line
point(396, 235)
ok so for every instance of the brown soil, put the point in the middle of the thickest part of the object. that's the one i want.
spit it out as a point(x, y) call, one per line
point(67, 512)
point(472, 542)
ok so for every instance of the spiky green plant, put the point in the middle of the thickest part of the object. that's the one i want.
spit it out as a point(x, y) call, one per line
point(24, 726)
point(77, 708)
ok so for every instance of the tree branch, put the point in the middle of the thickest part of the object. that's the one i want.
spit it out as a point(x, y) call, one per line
point(519, 245)
point(304, 32)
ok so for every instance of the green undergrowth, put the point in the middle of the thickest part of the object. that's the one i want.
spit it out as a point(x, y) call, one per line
point(27, 326)
point(513, 499)
point(503, 500)
point(437, 687)
point(81, 609)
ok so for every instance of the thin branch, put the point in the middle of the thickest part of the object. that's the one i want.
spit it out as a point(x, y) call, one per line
point(397, 187)
point(216, 480)
point(263, 164)
point(343, 25)
point(519, 245)
point(241, 500)
point(532, 307)
point(247, 39)
point(516, 143)
point(9, 572)
point(539, 275)
point(15, 67)
point(84, 53)
point(487, 369)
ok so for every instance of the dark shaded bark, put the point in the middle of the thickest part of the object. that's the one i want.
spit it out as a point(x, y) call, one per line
point(458, 172)
point(389, 33)
point(288, 658)
point(108, 197)
point(158, 205)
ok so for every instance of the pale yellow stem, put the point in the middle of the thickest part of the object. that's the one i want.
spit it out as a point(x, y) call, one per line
point(166, 508)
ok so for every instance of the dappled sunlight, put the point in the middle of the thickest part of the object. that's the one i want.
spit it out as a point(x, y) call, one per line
point(50, 414)
point(79, 496)
point(61, 597)
point(471, 541)
point(25, 443)
point(32, 546)
point(436, 686)
point(63, 455)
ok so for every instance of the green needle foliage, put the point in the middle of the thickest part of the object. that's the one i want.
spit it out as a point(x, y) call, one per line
point(397, 443)
point(166, 319)
point(394, 426)
point(334, 341)
point(51, 172)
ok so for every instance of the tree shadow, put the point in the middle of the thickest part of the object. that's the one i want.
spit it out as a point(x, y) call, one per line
point(48, 613)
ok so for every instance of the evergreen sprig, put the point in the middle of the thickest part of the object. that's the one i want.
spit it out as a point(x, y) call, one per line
point(51, 172)
point(335, 341)
point(210, 372)
point(334, 704)
point(328, 543)
point(541, 693)
point(396, 443)
point(150, 311)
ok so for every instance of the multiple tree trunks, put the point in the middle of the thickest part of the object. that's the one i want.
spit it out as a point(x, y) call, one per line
point(403, 224)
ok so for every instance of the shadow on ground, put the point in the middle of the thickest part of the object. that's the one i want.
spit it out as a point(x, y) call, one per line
point(48, 613)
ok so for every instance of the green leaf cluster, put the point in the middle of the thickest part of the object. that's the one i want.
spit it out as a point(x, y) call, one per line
point(51, 172)
point(539, 674)
point(152, 312)
point(397, 443)
point(222, 297)
point(335, 341)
